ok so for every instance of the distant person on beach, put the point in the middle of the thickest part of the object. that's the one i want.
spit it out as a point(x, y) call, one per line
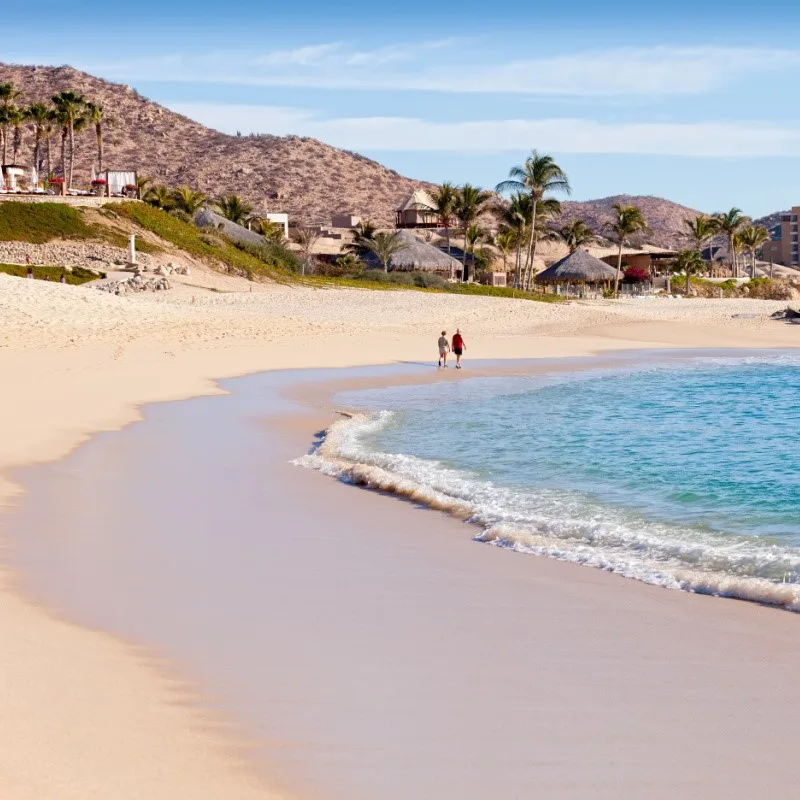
point(444, 349)
point(30, 272)
point(458, 347)
point(63, 278)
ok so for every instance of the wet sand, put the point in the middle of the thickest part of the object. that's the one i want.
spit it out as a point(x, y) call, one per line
point(370, 648)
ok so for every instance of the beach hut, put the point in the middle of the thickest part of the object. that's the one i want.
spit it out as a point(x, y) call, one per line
point(581, 270)
point(417, 211)
point(419, 256)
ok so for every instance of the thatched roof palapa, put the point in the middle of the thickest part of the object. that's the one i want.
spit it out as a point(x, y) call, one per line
point(418, 256)
point(578, 267)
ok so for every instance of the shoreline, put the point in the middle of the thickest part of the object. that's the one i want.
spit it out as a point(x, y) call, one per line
point(705, 659)
point(65, 386)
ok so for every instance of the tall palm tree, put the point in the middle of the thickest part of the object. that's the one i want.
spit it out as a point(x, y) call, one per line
point(71, 115)
point(517, 217)
point(701, 230)
point(8, 94)
point(471, 202)
point(730, 223)
point(41, 117)
point(690, 262)
point(159, 197)
point(234, 208)
point(445, 201)
point(98, 119)
point(627, 221)
point(753, 238)
point(188, 200)
point(14, 120)
point(306, 238)
point(538, 176)
point(576, 234)
point(384, 246)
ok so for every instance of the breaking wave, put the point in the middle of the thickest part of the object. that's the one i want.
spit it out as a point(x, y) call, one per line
point(566, 525)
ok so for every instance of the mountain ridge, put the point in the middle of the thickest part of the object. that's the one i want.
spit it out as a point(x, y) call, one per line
point(302, 176)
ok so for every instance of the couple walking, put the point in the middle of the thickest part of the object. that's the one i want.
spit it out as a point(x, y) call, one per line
point(458, 348)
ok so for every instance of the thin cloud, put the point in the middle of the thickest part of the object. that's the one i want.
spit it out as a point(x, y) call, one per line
point(438, 66)
point(701, 139)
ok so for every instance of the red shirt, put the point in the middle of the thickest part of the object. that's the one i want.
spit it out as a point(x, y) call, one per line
point(458, 342)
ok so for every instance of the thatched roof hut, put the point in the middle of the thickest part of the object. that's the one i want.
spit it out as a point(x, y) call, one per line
point(578, 267)
point(418, 256)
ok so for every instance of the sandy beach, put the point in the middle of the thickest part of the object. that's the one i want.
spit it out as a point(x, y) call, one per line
point(108, 718)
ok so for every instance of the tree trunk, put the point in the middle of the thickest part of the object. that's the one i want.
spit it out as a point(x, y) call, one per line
point(4, 138)
point(464, 257)
point(49, 160)
point(733, 257)
point(71, 154)
point(37, 149)
point(619, 269)
point(518, 260)
point(529, 260)
point(688, 282)
point(99, 132)
point(64, 154)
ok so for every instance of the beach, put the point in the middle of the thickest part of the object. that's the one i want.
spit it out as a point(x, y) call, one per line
point(78, 362)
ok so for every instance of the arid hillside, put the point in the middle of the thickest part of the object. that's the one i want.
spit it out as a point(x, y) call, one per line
point(666, 219)
point(308, 179)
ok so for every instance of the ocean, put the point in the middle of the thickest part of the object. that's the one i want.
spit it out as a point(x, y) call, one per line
point(684, 475)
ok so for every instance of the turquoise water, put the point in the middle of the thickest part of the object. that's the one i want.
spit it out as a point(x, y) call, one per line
point(685, 475)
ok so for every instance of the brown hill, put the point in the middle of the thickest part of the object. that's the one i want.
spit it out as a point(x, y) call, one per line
point(666, 219)
point(305, 177)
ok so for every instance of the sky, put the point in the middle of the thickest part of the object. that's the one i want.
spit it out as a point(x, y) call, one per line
point(697, 102)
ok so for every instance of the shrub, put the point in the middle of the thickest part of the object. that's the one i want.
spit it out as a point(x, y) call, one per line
point(74, 278)
point(636, 275)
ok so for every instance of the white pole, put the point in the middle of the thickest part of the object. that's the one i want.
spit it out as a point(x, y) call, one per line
point(132, 249)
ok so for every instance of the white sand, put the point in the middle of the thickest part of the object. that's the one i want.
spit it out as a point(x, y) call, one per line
point(85, 717)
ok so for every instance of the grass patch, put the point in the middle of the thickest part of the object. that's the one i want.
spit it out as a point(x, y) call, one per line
point(425, 282)
point(38, 223)
point(74, 278)
point(279, 262)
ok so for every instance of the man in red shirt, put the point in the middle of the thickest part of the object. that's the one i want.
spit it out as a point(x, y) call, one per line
point(458, 347)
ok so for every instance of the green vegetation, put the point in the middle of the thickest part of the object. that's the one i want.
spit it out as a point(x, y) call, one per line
point(759, 288)
point(426, 282)
point(74, 278)
point(251, 260)
point(38, 223)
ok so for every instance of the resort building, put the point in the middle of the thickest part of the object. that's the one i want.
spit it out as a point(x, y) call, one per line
point(783, 247)
point(281, 219)
point(417, 211)
point(345, 220)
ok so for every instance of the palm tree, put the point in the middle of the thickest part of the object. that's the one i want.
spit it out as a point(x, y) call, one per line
point(14, 118)
point(445, 201)
point(142, 184)
point(306, 238)
point(71, 114)
point(729, 224)
point(98, 118)
point(627, 221)
point(365, 232)
point(690, 262)
point(159, 197)
point(270, 230)
point(188, 200)
point(753, 238)
point(41, 117)
point(234, 208)
point(516, 216)
point(384, 246)
point(470, 203)
point(505, 240)
point(8, 94)
point(700, 230)
point(536, 177)
point(576, 234)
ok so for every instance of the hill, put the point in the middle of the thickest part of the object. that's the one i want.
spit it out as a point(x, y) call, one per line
point(665, 218)
point(308, 179)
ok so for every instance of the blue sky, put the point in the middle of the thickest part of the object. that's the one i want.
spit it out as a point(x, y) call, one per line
point(697, 102)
